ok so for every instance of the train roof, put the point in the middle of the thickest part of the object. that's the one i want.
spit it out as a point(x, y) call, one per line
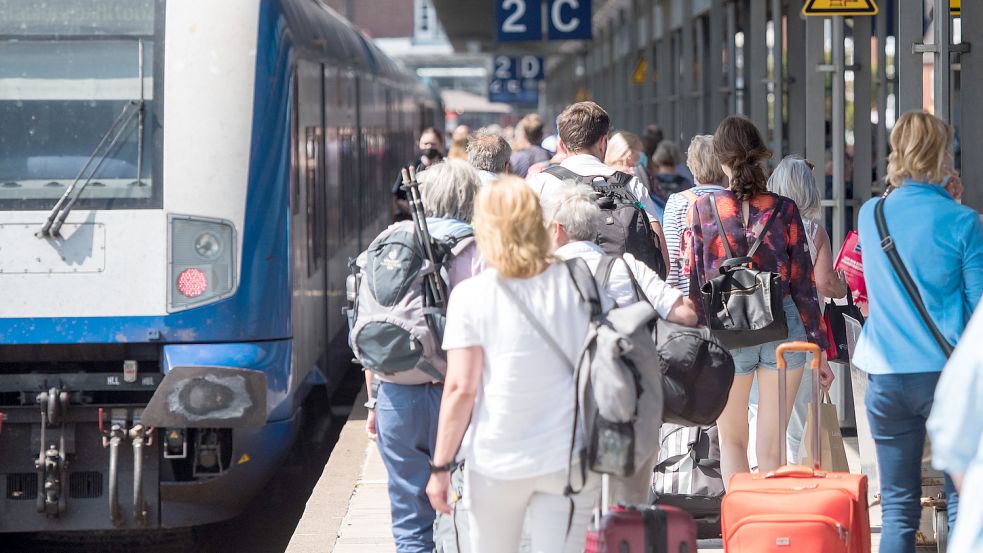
point(317, 28)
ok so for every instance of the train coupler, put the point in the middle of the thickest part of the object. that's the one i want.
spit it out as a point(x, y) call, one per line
point(51, 463)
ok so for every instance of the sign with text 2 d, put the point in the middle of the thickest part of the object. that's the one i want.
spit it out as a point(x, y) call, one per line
point(522, 20)
point(523, 67)
point(519, 20)
point(516, 80)
point(570, 20)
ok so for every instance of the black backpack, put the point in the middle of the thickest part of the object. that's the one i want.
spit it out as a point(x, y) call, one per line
point(626, 226)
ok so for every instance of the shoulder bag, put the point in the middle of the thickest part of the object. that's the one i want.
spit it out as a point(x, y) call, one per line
point(889, 247)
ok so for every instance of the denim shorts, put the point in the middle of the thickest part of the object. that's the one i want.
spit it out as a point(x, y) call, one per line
point(749, 358)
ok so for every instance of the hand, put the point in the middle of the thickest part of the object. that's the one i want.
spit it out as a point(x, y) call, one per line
point(826, 375)
point(437, 489)
point(954, 186)
point(370, 425)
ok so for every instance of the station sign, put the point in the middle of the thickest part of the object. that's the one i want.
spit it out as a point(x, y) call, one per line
point(826, 8)
point(513, 91)
point(522, 20)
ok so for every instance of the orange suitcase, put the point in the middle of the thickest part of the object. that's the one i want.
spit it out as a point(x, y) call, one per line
point(796, 509)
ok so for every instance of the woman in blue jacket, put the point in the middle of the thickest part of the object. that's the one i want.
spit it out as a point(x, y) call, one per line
point(940, 243)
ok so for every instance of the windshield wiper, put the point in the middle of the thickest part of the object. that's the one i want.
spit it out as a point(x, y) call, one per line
point(107, 144)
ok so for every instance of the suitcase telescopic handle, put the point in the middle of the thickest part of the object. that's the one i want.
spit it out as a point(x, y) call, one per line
point(780, 351)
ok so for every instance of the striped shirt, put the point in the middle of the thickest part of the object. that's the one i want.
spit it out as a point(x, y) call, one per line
point(673, 225)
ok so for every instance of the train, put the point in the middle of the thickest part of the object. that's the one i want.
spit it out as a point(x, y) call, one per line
point(182, 184)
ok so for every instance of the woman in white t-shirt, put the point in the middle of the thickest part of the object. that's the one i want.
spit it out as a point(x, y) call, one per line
point(508, 390)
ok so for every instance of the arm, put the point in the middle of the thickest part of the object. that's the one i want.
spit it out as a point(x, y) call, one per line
point(667, 301)
point(683, 312)
point(828, 283)
point(660, 240)
point(464, 367)
point(370, 416)
point(802, 283)
point(972, 268)
point(956, 423)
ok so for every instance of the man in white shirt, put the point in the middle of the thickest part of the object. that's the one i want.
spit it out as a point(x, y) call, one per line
point(489, 154)
point(572, 217)
point(583, 130)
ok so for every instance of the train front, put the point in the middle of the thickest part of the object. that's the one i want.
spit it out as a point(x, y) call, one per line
point(144, 325)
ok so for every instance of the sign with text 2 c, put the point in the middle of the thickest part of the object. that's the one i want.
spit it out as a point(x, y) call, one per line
point(513, 91)
point(519, 20)
point(570, 20)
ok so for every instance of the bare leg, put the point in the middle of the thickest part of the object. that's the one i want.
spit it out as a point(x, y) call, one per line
point(769, 443)
point(733, 429)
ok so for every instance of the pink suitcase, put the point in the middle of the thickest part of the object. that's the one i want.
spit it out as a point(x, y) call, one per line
point(643, 529)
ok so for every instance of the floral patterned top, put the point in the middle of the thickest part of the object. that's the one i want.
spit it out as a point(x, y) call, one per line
point(784, 250)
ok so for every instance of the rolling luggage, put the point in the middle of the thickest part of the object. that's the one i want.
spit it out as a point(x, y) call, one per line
point(642, 529)
point(796, 508)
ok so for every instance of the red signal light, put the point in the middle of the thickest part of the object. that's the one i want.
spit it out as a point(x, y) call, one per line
point(192, 282)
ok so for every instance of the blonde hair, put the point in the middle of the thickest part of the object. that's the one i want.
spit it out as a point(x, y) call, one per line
point(509, 229)
point(620, 146)
point(703, 162)
point(921, 149)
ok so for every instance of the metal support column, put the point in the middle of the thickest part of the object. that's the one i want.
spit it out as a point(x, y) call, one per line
point(910, 31)
point(715, 68)
point(815, 92)
point(756, 65)
point(796, 79)
point(971, 131)
point(731, 101)
point(778, 79)
point(943, 61)
point(839, 132)
point(862, 131)
point(687, 110)
point(880, 154)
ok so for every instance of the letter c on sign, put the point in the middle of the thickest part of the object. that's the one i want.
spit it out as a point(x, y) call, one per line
point(558, 23)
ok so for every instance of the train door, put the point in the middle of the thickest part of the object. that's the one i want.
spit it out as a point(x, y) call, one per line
point(308, 223)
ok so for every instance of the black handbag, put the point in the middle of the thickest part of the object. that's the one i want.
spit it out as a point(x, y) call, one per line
point(744, 305)
point(839, 349)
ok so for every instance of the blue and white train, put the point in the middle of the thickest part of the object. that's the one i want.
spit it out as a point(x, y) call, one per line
point(182, 183)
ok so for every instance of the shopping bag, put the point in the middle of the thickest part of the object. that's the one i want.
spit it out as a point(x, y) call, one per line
point(850, 262)
point(833, 456)
point(836, 330)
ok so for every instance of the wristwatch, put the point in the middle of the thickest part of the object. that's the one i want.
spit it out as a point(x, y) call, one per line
point(434, 469)
point(370, 404)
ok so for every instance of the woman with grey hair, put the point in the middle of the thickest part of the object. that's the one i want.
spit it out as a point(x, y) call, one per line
point(794, 179)
point(406, 416)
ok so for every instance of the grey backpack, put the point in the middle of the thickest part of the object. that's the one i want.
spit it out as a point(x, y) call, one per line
point(619, 380)
point(395, 328)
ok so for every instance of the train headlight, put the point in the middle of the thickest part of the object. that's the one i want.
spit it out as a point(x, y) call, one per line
point(202, 261)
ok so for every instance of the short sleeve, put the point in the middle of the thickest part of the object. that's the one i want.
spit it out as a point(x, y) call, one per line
point(461, 329)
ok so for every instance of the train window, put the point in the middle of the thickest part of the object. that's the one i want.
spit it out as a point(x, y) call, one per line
point(81, 83)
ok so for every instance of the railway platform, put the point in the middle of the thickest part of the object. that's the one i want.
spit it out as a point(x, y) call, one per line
point(348, 510)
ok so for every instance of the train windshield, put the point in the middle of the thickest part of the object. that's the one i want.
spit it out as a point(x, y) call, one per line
point(79, 99)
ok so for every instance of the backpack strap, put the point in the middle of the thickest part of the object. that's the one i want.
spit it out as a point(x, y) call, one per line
point(720, 226)
point(890, 248)
point(565, 174)
point(760, 238)
point(603, 275)
point(586, 285)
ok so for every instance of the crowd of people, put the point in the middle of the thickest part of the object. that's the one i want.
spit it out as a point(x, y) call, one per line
point(505, 407)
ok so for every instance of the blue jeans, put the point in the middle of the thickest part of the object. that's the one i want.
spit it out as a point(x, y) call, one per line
point(406, 423)
point(897, 407)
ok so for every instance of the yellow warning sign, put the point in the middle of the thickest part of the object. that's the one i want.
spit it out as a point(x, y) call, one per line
point(823, 8)
point(955, 7)
point(244, 459)
point(641, 69)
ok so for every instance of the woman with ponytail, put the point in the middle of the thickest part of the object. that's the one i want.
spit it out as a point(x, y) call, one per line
point(744, 208)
